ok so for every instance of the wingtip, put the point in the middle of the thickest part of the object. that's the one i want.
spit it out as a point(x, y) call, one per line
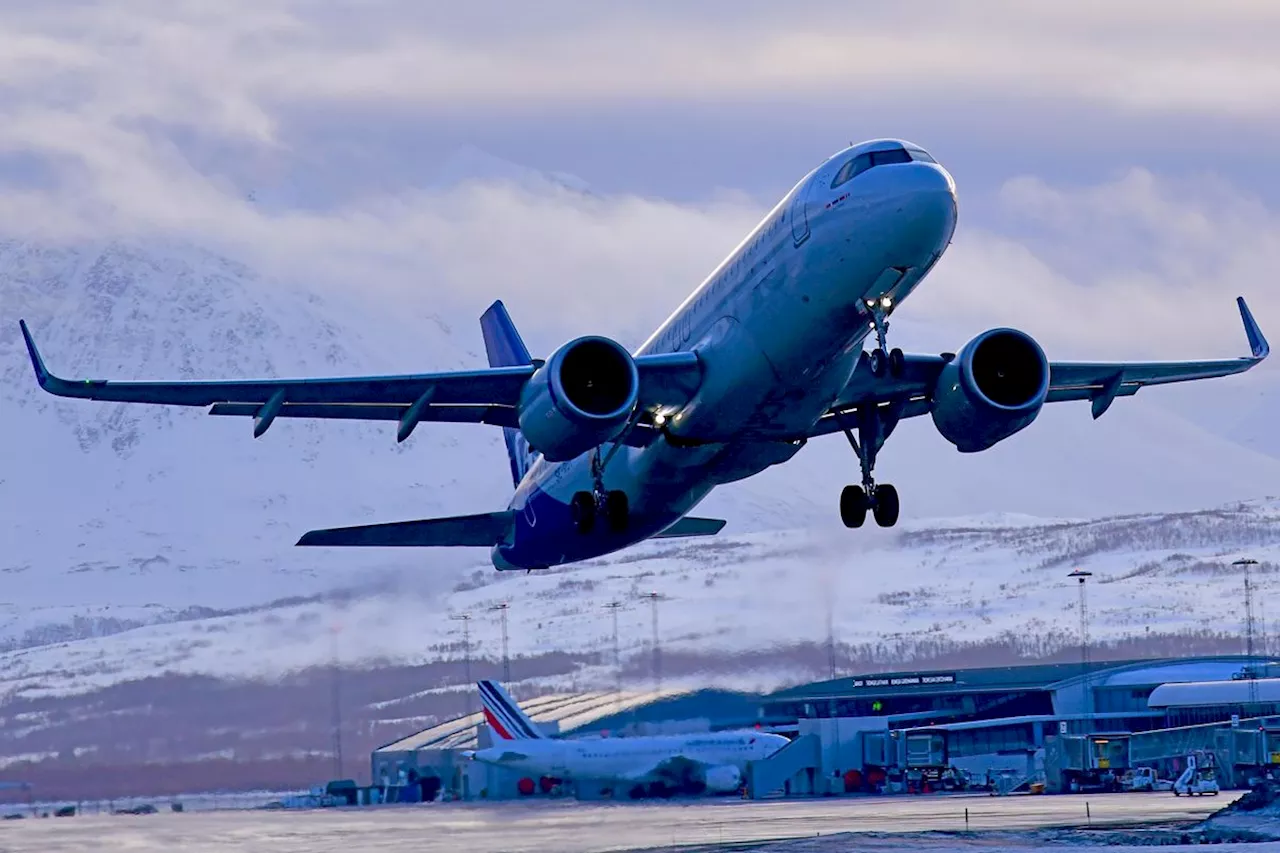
point(1257, 341)
point(37, 363)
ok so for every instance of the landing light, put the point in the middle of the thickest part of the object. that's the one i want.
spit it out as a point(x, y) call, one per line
point(871, 303)
point(659, 419)
point(886, 302)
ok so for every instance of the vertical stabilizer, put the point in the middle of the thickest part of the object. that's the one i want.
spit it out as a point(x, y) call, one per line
point(505, 348)
point(504, 716)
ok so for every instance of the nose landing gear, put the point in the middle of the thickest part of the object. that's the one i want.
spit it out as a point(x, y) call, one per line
point(873, 423)
point(883, 359)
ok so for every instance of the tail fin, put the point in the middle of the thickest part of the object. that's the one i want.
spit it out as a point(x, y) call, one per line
point(504, 716)
point(505, 348)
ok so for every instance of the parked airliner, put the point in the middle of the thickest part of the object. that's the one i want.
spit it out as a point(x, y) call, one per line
point(609, 447)
point(712, 762)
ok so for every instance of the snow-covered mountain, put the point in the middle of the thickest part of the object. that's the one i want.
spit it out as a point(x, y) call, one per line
point(148, 523)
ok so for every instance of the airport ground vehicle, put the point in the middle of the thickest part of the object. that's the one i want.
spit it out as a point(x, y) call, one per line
point(1199, 777)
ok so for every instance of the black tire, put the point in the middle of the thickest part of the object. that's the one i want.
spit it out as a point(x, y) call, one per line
point(886, 505)
point(583, 507)
point(879, 364)
point(617, 511)
point(853, 506)
point(897, 362)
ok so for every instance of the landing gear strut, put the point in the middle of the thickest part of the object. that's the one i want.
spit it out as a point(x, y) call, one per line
point(613, 505)
point(873, 423)
point(883, 359)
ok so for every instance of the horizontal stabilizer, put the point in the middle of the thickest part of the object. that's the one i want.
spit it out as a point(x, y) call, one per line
point(481, 530)
point(690, 526)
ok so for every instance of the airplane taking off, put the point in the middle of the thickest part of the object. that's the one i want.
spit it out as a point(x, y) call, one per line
point(608, 448)
point(714, 762)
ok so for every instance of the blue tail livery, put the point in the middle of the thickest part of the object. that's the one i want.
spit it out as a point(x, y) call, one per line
point(785, 341)
point(505, 348)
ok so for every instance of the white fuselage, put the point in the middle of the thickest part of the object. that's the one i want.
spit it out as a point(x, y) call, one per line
point(778, 328)
point(629, 759)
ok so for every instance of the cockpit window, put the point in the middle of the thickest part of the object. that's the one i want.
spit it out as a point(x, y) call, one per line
point(922, 156)
point(871, 159)
point(893, 155)
point(849, 170)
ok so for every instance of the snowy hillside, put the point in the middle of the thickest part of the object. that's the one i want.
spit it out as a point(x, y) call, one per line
point(967, 579)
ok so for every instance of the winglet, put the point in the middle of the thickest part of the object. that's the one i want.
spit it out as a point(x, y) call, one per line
point(37, 363)
point(1257, 343)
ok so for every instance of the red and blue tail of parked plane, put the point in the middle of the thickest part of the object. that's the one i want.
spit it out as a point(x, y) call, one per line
point(503, 715)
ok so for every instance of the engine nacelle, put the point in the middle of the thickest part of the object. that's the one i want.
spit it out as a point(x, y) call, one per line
point(582, 397)
point(993, 388)
point(723, 779)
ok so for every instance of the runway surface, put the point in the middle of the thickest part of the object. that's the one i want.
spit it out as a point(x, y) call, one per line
point(571, 827)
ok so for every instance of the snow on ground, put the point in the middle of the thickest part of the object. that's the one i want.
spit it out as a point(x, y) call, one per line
point(973, 580)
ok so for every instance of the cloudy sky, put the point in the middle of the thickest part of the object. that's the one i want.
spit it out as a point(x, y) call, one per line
point(1117, 162)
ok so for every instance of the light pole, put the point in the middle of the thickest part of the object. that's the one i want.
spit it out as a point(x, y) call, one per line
point(465, 619)
point(506, 661)
point(1081, 576)
point(337, 705)
point(654, 598)
point(1250, 665)
point(831, 641)
point(613, 607)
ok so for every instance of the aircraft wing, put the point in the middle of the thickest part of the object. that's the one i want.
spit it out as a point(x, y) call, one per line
point(488, 395)
point(1099, 382)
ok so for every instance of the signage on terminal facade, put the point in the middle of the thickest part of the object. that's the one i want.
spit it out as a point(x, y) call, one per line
point(919, 680)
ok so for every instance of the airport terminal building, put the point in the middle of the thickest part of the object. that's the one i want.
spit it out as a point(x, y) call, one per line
point(860, 732)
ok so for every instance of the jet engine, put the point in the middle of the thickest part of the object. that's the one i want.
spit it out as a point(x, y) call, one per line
point(582, 397)
point(993, 388)
point(723, 779)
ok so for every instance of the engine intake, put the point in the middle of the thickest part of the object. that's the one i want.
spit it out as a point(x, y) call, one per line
point(995, 387)
point(582, 397)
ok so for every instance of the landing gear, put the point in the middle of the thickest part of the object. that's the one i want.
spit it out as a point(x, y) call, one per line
point(873, 423)
point(613, 505)
point(616, 510)
point(883, 359)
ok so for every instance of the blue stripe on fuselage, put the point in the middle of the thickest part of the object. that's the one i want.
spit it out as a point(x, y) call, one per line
point(545, 534)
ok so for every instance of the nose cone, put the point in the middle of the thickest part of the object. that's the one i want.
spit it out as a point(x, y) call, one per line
point(925, 202)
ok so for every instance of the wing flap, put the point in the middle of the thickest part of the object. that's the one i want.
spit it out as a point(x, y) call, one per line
point(692, 526)
point(497, 415)
point(485, 529)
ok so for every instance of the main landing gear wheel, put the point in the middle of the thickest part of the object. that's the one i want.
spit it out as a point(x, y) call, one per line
point(583, 508)
point(885, 506)
point(853, 506)
point(616, 510)
point(873, 423)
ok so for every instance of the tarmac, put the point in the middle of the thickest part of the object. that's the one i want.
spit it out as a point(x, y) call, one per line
point(567, 826)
